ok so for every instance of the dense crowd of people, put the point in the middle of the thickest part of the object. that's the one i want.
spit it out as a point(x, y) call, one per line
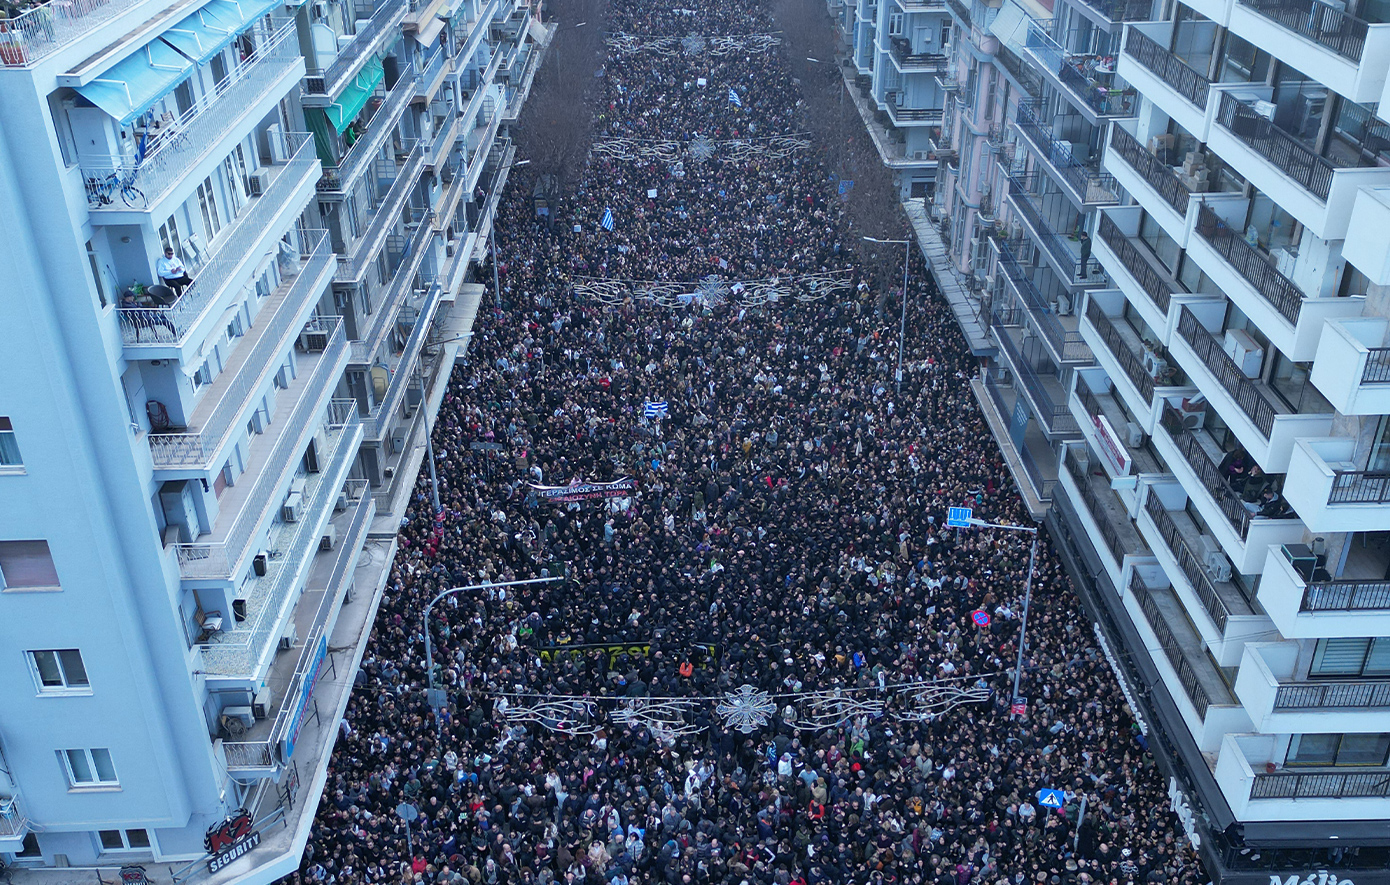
point(786, 532)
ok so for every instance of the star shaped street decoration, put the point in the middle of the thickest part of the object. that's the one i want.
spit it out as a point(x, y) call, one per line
point(746, 709)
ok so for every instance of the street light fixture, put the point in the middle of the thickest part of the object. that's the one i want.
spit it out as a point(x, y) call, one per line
point(429, 435)
point(492, 234)
point(1027, 596)
point(902, 325)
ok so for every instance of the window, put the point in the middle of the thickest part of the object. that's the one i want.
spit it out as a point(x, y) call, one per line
point(1339, 749)
point(9, 447)
point(89, 768)
point(27, 565)
point(169, 237)
point(895, 24)
point(59, 670)
point(207, 204)
point(1351, 657)
point(124, 840)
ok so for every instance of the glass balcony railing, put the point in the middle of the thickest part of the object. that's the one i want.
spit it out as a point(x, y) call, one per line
point(1067, 345)
point(1094, 188)
point(385, 22)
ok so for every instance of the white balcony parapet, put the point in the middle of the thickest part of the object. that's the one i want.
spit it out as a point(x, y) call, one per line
point(169, 326)
point(364, 250)
point(1323, 607)
point(1352, 366)
point(201, 444)
point(42, 30)
point(1330, 492)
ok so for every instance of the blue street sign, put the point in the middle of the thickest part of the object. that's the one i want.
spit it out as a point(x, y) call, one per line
point(959, 517)
point(980, 617)
point(1051, 798)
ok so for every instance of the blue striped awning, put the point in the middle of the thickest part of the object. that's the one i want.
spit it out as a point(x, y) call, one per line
point(208, 31)
point(128, 88)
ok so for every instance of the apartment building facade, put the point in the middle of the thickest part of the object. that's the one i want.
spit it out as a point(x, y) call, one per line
point(236, 236)
point(1194, 394)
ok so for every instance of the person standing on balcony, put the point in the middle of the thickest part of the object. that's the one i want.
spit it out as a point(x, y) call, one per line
point(172, 272)
point(1085, 240)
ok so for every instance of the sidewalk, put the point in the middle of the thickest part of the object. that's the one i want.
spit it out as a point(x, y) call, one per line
point(962, 304)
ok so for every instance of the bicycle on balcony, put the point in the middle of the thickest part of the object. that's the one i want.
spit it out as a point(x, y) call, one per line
point(100, 190)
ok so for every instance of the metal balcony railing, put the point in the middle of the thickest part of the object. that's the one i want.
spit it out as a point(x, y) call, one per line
point(169, 325)
point(197, 446)
point(1351, 693)
point(1191, 566)
point(1346, 596)
point(1244, 391)
point(1208, 472)
point(919, 5)
point(1057, 418)
point(1325, 25)
point(369, 145)
point(1250, 263)
point(1068, 346)
point(1109, 534)
point(1150, 168)
point(386, 20)
point(1187, 676)
point(911, 115)
point(1341, 785)
point(1150, 280)
point(1359, 487)
point(1289, 155)
point(198, 129)
point(908, 61)
point(42, 30)
point(364, 248)
point(1377, 369)
point(1095, 188)
point(249, 755)
point(1168, 67)
point(13, 821)
point(1133, 366)
point(386, 410)
point(1122, 10)
point(219, 560)
point(1055, 243)
point(1044, 486)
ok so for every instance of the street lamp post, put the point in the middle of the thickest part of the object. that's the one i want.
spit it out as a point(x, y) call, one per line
point(902, 324)
point(558, 32)
point(1027, 597)
point(435, 696)
point(429, 435)
point(492, 234)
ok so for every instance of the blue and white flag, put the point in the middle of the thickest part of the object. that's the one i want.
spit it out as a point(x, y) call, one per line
point(655, 410)
point(607, 222)
point(734, 99)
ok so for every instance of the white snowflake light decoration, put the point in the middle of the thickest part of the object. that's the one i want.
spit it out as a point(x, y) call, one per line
point(701, 148)
point(693, 44)
point(746, 709)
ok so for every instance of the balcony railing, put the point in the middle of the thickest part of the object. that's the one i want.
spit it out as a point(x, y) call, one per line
point(1069, 346)
point(1108, 532)
point(1041, 484)
point(363, 250)
point(1056, 418)
point(1122, 10)
point(913, 115)
point(13, 821)
point(196, 447)
point(1054, 242)
point(1169, 643)
point(1346, 596)
point(930, 62)
point(1342, 785)
point(169, 325)
point(1095, 188)
point(1150, 168)
point(199, 129)
point(1325, 25)
point(219, 560)
point(248, 755)
point(1101, 101)
point(1357, 694)
point(1133, 366)
point(1208, 472)
point(366, 148)
point(1289, 155)
point(1168, 67)
point(919, 5)
point(1377, 369)
point(1244, 391)
point(386, 19)
point(1191, 566)
point(1359, 487)
point(42, 30)
point(1250, 263)
point(1150, 280)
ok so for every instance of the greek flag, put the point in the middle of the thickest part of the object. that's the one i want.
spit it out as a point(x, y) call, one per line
point(734, 99)
point(607, 222)
point(654, 410)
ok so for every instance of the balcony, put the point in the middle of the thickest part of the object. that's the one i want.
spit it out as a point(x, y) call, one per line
point(1312, 188)
point(1193, 672)
point(363, 250)
point(244, 507)
point(1045, 392)
point(1313, 606)
point(1084, 185)
point(1105, 12)
point(1330, 491)
point(1102, 514)
point(1274, 302)
point(1176, 540)
point(1259, 418)
point(43, 29)
point(245, 651)
point(921, 5)
point(374, 332)
point(1146, 284)
point(337, 180)
point(14, 824)
point(165, 332)
point(1091, 89)
point(902, 116)
point(1280, 701)
point(432, 77)
point(909, 62)
point(1058, 247)
point(1030, 459)
point(1156, 186)
point(402, 365)
point(257, 357)
point(321, 87)
point(1347, 54)
point(1092, 399)
point(1177, 88)
point(1248, 772)
point(1137, 370)
point(1352, 366)
point(1059, 332)
point(204, 134)
point(1243, 534)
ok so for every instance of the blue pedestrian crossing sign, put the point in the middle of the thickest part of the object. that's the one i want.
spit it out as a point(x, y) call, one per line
point(1051, 798)
point(959, 517)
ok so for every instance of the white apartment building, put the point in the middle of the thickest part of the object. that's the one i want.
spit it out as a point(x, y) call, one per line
point(1201, 411)
point(204, 460)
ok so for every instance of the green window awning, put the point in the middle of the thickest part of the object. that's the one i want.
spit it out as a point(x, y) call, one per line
point(354, 98)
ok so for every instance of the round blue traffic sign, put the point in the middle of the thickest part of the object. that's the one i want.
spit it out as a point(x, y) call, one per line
point(980, 617)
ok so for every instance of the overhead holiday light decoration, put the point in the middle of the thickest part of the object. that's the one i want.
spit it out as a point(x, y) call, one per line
point(746, 709)
point(665, 717)
point(828, 709)
point(567, 715)
point(716, 290)
point(702, 148)
point(699, 148)
point(928, 700)
point(693, 44)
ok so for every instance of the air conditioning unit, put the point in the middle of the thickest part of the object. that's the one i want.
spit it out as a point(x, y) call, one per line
point(408, 410)
point(260, 704)
point(293, 508)
point(1219, 568)
point(341, 504)
point(239, 609)
point(397, 443)
point(1134, 435)
point(1244, 351)
point(257, 182)
point(1153, 363)
point(313, 341)
point(330, 537)
point(291, 637)
point(1082, 457)
point(258, 564)
point(1194, 412)
point(1284, 260)
point(921, 155)
point(241, 713)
